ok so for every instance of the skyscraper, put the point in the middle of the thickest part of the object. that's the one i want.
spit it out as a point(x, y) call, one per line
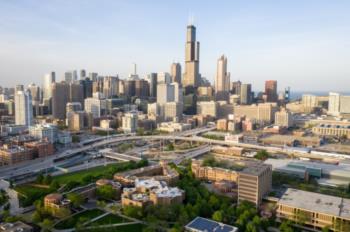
point(70, 76)
point(191, 77)
point(60, 97)
point(176, 72)
point(47, 86)
point(271, 90)
point(152, 80)
point(222, 80)
point(334, 104)
point(82, 74)
point(23, 108)
point(246, 93)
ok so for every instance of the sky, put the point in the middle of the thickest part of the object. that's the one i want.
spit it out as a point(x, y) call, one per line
point(301, 44)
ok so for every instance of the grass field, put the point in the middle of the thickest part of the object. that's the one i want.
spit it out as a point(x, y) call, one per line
point(28, 194)
point(82, 217)
point(109, 219)
point(126, 228)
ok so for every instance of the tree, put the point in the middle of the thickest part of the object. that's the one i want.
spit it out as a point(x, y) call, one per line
point(262, 155)
point(62, 213)
point(132, 211)
point(40, 178)
point(47, 224)
point(106, 192)
point(217, 216)
point(75, 199)
point(251, 227)
point(286, 226)
point(47, 180)
point(54, 185)
point(36, 217)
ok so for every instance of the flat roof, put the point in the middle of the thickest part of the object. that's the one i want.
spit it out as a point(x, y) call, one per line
point(200, 224)
point(255, 169)
point(316, 202)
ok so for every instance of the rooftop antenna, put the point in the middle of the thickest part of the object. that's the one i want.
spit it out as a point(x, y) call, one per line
point(190, 19)
point(134, 68)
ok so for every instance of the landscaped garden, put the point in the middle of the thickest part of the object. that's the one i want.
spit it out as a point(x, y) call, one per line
point(79, 219)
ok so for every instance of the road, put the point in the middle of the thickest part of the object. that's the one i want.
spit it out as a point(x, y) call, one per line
point(47, 162)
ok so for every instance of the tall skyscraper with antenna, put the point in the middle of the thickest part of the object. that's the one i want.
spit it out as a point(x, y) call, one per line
point(191, 75)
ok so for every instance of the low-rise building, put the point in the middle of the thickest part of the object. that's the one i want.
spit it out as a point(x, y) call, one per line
point(200, 224)
point(10, 155)
point(44, 131)
point(17, 226)
point(40, 148)
point(332, 130)
point(315, 210)
point(173, 127)
point(230, 151)
point(54, 202)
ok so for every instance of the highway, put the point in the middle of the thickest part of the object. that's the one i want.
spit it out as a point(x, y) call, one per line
point(47, 162)
point(37, 165)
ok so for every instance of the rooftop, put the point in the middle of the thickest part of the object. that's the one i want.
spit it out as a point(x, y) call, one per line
point(321, 203)
point(200, 224)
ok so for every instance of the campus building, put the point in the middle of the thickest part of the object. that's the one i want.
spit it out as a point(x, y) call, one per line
point(315, 210)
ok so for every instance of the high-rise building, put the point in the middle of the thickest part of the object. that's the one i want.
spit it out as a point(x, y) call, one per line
point(60, 97)
point(141, 88)
point(71, 76)
point(271, 90)
point(254, 183)
point(246, 94)
point(262, 113)
point(76, 93)
point(208, 108)
point(129, 122)
point(236, 87)
point(176, 72)
point(283, 118)
point(93, 76)
point(191, 76)
point(152, 80)
point(165, 93)
point(19, 88)
point(96, 105)
point(164, 77)
point(87, 87)
point(36, 97)
point(110, 86)
point(222, 80)
point(334, 104)
point(173, 111)
point(49, 79)
point(82, 74)
point(23, 108)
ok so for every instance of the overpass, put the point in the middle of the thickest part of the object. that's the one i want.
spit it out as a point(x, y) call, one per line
point(108, 153)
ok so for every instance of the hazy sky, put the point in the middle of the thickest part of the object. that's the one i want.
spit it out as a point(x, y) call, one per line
point(302, 44)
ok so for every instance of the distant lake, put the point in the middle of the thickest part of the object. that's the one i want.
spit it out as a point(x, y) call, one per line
point(298, 94)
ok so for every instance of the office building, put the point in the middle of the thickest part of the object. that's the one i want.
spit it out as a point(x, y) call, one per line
point(153, 81)
point(222, 80)
point(79, 120)
point(10, 155)
point(173, 111)
point(315, 210)
point(129, 122)
point(46, 132)
point(236, 87)
point(344, 105)
point(76, 93)
point(283, 118)
point(271, 90)
point(165, 93)
point(23, 108)
point(164, 77)
point(336, 130)
point(70, 76)
point(176, 73)
point(87, 87)
point(260, 113)
point(191, 75)
point(254, 183)
point(207, 108)
point(142, 89)
point(246, 94)
point(73, 107)
point(82, 74)
point(60, 98)
point(110, 86)
point(95, 105)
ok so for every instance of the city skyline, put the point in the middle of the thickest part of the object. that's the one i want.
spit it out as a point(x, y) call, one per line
point(268, 43)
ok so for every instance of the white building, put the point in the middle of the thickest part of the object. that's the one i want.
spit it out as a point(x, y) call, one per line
point(334, 104)
point(163, 78)
point(129, 122)
point(283, 118)
point(23, 108)
point(174, 127)
point(207, 108)
point(44, 131)
point(95, 105)
point(165, 93)
point(173, 111)
point(47, 85)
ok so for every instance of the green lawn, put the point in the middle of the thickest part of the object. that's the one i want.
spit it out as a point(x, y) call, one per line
point(126, 228)
point(82, 217)
point(109, 219)
point(28, 194)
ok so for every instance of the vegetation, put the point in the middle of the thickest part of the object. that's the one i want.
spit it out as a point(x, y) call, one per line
point(75, 139)
point(212, 162)
point(106, 192)
point(3, 197)
point(262, 155)
point(212, 136)
point(124, 147)
point(78, 219)
point(28, 193)
point(75, 199)
point(124, 228)
point(169, 147)
point(199, 202)
point(108, 219)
